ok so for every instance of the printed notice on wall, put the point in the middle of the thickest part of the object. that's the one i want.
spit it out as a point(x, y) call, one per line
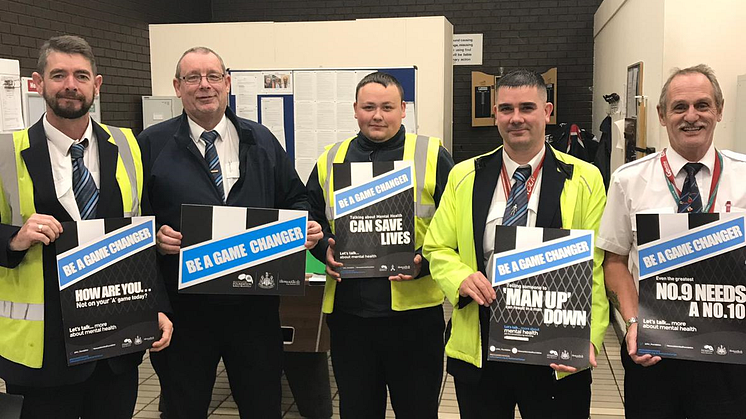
point(467, 49)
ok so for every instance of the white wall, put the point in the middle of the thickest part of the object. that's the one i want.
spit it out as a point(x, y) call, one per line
point(626, 32)
point(425, 42)
point(711, 33)
point(665, 34)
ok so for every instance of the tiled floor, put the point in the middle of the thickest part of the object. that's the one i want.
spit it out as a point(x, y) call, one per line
point(606, 402)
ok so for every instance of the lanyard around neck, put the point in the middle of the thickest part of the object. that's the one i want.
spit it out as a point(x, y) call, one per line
point(714, 185)
point(530, 182)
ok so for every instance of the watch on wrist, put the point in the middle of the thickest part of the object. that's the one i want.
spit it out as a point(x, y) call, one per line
point(632, 320)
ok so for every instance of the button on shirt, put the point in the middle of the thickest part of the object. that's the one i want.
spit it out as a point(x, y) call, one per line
point(227, 147)
point(62, 165)
point(499, 200)
point(640, 187)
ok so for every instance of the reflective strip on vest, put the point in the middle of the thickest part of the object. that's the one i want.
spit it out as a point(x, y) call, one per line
point(125, 152)
point(330, 156)
point(9, 175)
point(422, 210)
point(21, 311)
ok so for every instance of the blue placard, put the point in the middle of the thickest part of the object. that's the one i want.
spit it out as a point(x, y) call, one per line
point(351, 199)
point(81, 262)
point(718, 238)
point(212, 259)
point(512, 266)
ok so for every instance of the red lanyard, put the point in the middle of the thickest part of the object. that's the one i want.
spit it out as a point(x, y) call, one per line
point(714, 185)
point(530, 182)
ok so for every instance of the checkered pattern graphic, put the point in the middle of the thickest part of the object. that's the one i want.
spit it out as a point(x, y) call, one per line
point(573, 279)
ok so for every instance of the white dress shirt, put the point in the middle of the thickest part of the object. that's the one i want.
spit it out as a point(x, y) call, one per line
point(640, 187)
point(227, 147)
point(499, 201)
point(62, 164)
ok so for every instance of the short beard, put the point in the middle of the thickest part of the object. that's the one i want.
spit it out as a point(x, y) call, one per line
point(66, 113)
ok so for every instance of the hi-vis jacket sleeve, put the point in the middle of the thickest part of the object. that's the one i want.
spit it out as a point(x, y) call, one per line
point(596, 201)
point(451, 259)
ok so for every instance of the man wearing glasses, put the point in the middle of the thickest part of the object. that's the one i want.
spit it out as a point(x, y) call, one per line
point(210, 156)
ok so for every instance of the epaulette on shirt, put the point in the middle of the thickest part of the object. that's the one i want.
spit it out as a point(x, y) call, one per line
point(634, 163)
point(734, 156)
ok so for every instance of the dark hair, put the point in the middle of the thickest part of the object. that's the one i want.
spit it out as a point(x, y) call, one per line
point(524, 78)
point(703, 69)
point(384, 79)
point(202, 50)
point(68, 44)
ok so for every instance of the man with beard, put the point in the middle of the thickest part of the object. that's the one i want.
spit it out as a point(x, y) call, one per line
point(66, 167)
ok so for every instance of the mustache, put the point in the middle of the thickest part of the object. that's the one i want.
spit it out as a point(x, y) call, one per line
point(689, 125)
point(70, 95)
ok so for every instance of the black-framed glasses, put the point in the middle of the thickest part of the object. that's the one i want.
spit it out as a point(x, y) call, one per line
point(212, 78)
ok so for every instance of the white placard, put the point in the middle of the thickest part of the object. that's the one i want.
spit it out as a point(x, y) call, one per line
point(467, 49)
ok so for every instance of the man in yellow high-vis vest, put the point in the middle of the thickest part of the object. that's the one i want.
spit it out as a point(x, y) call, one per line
point(38, 169)
point(385, 331)
point(567, 193)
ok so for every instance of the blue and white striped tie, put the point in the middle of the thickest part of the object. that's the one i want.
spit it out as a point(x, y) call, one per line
point(213, 162)
point(516, 209)
point(84, 188)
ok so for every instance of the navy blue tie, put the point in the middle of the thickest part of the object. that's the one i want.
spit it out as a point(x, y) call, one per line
point(213, 162)
point(84, 188)
point(516, 209)
point(690, 200)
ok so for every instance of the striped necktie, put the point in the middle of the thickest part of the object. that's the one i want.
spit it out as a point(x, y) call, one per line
point(84, 188)
point(690, 199)
point(213, 162)
point(516, 209)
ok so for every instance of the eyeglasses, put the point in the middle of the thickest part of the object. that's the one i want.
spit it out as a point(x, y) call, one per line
point(212, 78)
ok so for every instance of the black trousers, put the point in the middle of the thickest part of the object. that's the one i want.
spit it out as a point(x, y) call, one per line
point(250, 344)
point(678, 389)
point(102, 395)
point(532, 387)
point(308, 376)
point(403, 353)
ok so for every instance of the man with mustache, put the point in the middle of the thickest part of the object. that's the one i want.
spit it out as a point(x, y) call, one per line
point(65, 167)
point(210, 156)
point(690, 106)
point(387, 331)
point(548, 189)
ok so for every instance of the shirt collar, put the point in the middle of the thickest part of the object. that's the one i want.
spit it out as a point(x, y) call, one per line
point(60, 140)
point(677, 162)
point(196, 130)
point(511, 165)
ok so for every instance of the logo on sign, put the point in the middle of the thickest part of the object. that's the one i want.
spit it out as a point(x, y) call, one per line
point(244, 281)
point(267, 281)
